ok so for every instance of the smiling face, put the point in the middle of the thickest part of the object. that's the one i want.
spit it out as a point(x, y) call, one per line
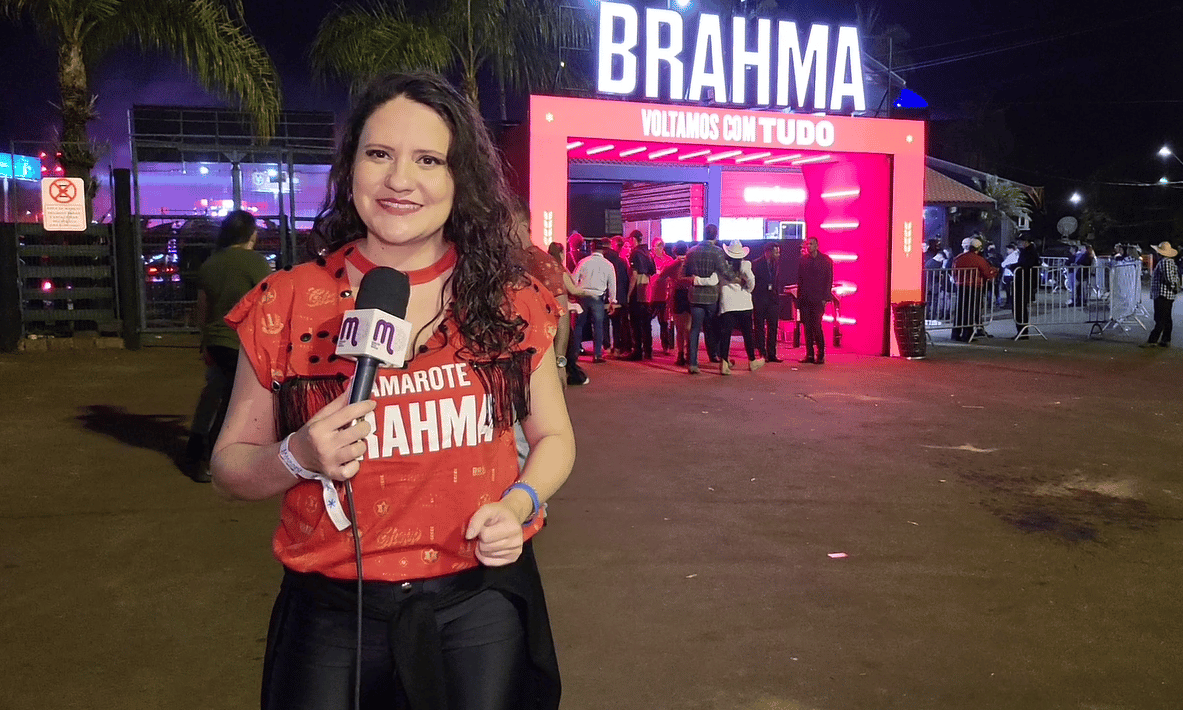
point(402, 185)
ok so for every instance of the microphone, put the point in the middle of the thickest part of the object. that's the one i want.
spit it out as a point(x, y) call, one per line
point(375, 333)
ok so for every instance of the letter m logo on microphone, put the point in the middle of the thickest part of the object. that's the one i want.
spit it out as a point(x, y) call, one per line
point(349, 330)
point(373, 333)
point(384, 334)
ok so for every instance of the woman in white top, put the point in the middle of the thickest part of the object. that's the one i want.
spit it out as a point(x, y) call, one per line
point(735, 309)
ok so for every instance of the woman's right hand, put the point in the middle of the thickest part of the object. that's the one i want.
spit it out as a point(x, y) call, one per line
point(332, 441)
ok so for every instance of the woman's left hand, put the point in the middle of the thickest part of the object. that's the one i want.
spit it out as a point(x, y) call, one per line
point(498, 534)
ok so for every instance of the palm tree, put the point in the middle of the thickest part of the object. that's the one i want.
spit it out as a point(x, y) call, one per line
point(207, 35)
point(520, 43)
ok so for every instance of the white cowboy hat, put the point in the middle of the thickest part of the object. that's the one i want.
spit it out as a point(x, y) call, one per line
point(1165, 249)
point(736, 250)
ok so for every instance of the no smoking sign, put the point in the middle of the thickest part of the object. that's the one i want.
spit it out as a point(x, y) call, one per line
point(63, 204)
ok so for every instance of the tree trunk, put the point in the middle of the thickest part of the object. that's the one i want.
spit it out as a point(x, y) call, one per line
point(78, 158)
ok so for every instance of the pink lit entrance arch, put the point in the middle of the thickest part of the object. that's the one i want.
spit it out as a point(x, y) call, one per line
point(864, 181)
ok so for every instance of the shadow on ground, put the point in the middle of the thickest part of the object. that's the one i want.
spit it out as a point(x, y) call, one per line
point(166, 433)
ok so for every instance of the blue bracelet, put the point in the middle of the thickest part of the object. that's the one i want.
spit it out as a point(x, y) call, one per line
point(522, 486)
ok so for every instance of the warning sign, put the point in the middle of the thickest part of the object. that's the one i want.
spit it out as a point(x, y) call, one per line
point(63, 204)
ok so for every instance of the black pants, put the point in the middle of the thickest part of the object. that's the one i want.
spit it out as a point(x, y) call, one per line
point(766, 319)
point(201, 443)
point(663, 323)
point(622, 337)
point(811, 319)
point(968, 314)
point(642, 321)
point(728, 322)
point(1162, 321)
point(312, 647)
point(1023, 296)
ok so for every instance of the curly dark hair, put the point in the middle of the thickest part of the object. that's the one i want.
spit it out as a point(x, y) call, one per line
point(480, 225)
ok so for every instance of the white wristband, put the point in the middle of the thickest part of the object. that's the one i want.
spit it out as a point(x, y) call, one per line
point(291, 464)
point(331, 500)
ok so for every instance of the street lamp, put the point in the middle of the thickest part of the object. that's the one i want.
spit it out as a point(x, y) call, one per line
point(1165, 152)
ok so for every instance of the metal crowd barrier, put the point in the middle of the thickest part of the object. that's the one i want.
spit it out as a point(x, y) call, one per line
point(957, 300)
point(1123, 290)
point(1105, 296)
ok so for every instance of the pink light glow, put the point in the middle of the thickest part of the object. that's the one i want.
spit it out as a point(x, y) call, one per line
point(855, 234)
point(883, 158)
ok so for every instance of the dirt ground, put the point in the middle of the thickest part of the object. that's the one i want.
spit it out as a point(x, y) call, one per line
point(997, 526)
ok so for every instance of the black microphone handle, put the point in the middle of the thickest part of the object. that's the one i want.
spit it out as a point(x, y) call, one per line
point(363, 379)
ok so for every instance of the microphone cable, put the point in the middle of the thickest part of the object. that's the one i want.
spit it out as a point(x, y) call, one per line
point(357, 559)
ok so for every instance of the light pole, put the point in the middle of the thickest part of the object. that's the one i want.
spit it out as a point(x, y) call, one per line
point(1165, 152)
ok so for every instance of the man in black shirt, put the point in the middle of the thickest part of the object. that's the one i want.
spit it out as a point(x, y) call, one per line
point(815, 286)
point(766, 301)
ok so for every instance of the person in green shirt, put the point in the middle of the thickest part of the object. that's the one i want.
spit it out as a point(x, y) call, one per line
point(223, 280)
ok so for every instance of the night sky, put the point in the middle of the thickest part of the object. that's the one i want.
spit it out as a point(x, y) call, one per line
point(1079, 94)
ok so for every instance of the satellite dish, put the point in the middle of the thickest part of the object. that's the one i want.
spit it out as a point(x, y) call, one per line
point(1066, 226)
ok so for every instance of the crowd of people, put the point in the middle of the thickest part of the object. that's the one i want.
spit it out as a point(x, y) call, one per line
point(700, 296)
point(1018, 276)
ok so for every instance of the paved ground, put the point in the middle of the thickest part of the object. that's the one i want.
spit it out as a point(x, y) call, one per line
point(1009, 515)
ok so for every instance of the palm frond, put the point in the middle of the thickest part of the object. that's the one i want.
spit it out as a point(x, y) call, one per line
point(211, 43)
point(359, 42)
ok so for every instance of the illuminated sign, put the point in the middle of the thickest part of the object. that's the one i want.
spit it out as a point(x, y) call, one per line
point(713, 125)
point(21, 167)
point(833, 79)
point(776, 195)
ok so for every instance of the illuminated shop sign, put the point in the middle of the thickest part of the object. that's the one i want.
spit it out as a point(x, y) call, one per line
point(21, 167)
point(775, 194)
point(826, 67)
point(797, 131)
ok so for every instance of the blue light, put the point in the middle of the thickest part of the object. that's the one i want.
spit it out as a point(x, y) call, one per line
point(26, 168)
point(910, 99)
point(6, 165)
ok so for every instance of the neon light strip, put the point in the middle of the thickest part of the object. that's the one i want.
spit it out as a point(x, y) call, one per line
point(839, 226)
point(814, 159)
point(724, 154)
point(781, 158)
point(845, 290)
point(753, 156)
point(632, 151)
point(600, 149)
point(662, 153)
point(843, 257)
point(695, 154)
point(574, 144)
point(841, 193)
point(843, 321)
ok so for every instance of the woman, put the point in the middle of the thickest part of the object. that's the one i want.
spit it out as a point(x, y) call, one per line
point(735, 309)
point(454, 613)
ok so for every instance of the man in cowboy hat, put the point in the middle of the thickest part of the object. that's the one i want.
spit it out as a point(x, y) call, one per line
point(1164, 284)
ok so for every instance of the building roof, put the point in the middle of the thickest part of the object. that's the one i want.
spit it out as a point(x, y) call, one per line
point(971, 175)
point(945, 191)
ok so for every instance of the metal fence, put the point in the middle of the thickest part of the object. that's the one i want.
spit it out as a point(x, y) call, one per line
point(67, 283)
point(960, 301)
point(1103, 296)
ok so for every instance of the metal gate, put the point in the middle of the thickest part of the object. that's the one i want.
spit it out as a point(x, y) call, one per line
point(67, 281)
point(190, 166)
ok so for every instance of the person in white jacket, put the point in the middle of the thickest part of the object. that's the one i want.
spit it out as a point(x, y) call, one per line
point(735, 309)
